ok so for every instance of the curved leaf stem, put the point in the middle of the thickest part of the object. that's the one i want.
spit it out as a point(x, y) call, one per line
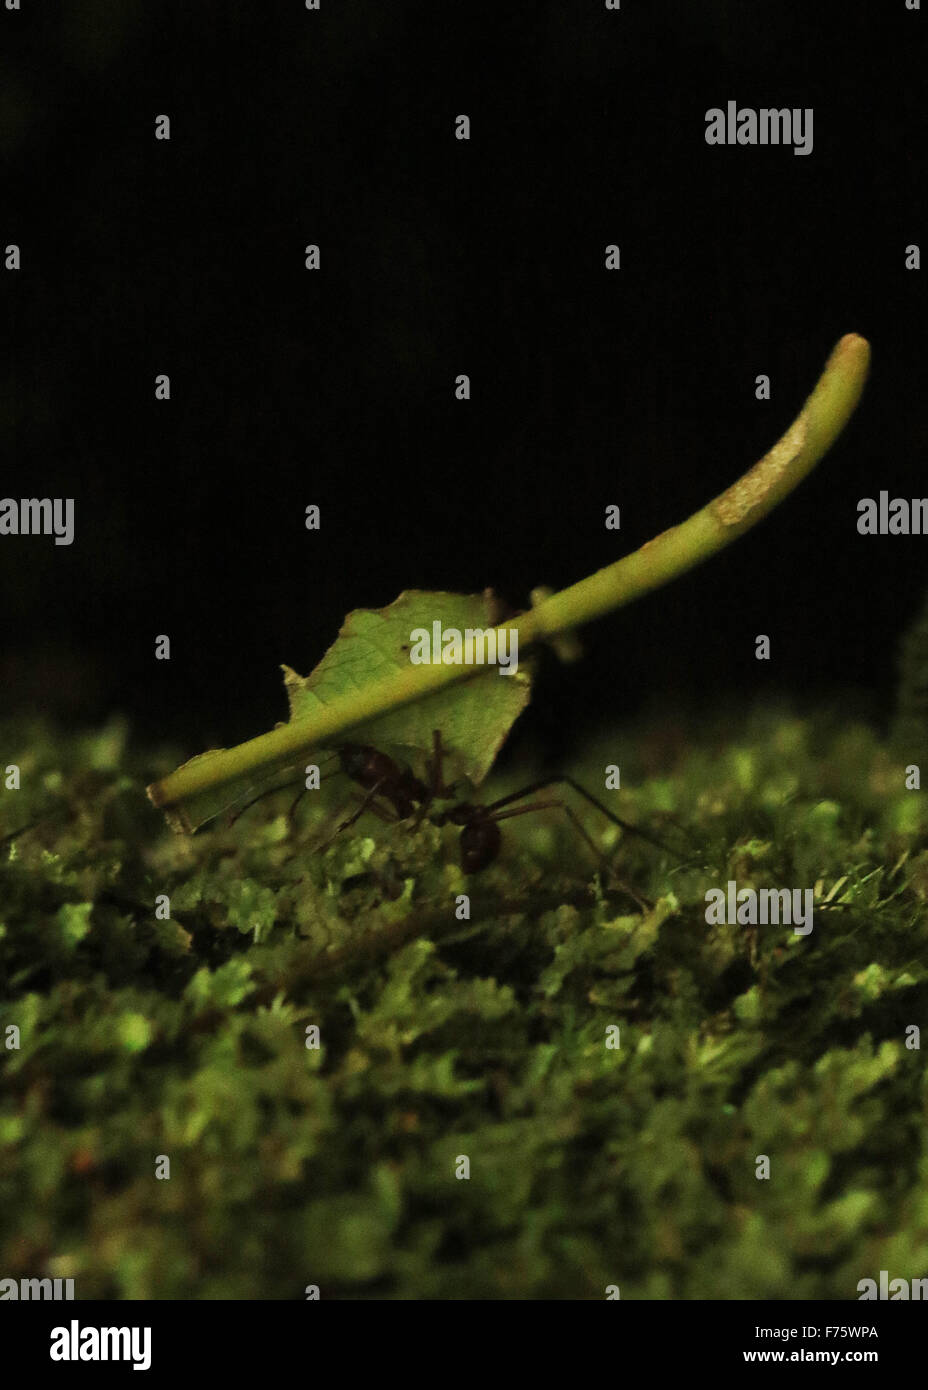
point(675, 551)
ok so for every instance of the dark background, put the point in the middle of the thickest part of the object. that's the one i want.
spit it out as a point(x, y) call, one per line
point(440, 257)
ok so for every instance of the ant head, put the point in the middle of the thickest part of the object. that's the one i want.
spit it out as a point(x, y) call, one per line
point(366, 765)
point(353, 758)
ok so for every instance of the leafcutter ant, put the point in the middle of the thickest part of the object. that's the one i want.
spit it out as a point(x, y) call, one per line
point(393, 793)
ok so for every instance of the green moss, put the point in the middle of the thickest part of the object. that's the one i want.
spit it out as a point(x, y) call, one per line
point(590, 1165)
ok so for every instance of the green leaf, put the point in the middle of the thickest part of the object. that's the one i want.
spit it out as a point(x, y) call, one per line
point(473, 718)
point(198, 790)
point(373, 643)
point(188, 813)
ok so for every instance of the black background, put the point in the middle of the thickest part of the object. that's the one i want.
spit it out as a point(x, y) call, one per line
point(440, 257)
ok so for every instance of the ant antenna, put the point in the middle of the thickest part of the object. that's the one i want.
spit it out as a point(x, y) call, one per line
point(279, 787)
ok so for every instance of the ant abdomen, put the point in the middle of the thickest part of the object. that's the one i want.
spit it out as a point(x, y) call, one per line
point(480, 844)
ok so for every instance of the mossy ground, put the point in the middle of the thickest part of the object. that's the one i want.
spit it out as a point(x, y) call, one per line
point(589, 1166)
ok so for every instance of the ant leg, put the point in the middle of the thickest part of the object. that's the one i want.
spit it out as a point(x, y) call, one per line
point(440, 789)
point(296, 801)
point(578, 826)
point(324, 844)
point(435, 771)
point(365, 804)
point(569, 781)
